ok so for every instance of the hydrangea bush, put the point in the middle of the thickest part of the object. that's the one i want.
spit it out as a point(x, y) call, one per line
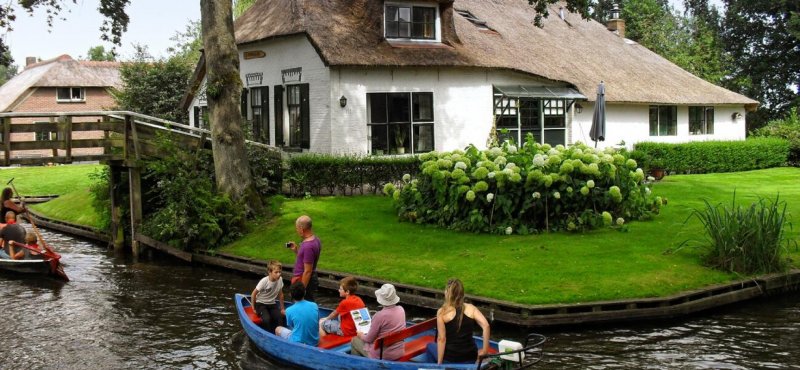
point(524, 190)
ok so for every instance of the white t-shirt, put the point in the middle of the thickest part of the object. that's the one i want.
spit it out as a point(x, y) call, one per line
point(268, 290)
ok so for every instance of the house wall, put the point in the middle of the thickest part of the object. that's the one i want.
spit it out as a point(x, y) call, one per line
point(630, 123)
point(293, 52)
point(43, 99)
point(462, 97)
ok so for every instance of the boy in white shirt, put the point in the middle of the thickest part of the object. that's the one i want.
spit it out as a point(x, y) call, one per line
point(268, 297)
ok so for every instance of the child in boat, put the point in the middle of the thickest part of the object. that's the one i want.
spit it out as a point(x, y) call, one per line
point(390, 319)
point(340, 322)
point(301, 318)
point(268, 297)
point(32, 244)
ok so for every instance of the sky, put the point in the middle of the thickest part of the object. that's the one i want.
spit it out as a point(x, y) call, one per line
point(152, 23)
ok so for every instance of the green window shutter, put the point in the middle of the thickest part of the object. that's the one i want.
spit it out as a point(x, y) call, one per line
point(305, 122)
point(244, 103)
point(279, 115)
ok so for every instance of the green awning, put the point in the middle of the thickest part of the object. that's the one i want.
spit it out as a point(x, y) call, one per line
point(547, 92)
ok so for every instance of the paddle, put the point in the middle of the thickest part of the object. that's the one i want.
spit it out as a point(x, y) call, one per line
point(49, 252)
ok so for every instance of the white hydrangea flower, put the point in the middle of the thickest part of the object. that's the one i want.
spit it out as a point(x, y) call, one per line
point(647, 191)
point(461, 165)
point(557, 195)
point(536, 195)
point(509, 230)
point(508, 172)
point(590, 184)
point(489, 197)
point(491, 175)
point(406, 177)
point(512, 149)
point(552, 151)
point(538, 160)
point(620, 221)
point(651, 178)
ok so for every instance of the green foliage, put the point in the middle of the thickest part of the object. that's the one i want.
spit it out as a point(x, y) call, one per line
point(524, 190)
point(154, 87)
point(747, 240)
point(99, 54)
point(100, 190)
point(714, 156)
point(266, 168)
point(786, 128)
point(240, 6)
point(187, 211)
point(187, 44)
point(318, 173)
point(762, 39)
point(8, 72)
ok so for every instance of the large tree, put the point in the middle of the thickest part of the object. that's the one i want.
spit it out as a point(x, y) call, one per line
point(232, 169)
point(762, 39)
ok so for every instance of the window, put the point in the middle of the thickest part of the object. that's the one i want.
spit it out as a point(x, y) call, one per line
point(410, 22)
point(45, 135)
point(201, 117)
point(259, 103)
point(518, 117)
point(701, 120)
point(298, 110)
point(400, 123)
point(663, 120)
point(70, 94)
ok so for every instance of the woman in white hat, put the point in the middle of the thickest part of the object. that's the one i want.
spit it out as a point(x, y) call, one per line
point(390, 319)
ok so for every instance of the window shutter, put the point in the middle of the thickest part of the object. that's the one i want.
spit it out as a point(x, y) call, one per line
point(279, 115)
point(305, 122)
point(196, 116)
point(244, 102)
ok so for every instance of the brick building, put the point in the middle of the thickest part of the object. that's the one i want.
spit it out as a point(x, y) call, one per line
point(60, 84)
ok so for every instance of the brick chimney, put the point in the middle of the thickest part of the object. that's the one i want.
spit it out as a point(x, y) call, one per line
point(615, 24)
point(30, 60)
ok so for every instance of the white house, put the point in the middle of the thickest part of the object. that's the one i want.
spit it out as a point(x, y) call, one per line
point(394, 76)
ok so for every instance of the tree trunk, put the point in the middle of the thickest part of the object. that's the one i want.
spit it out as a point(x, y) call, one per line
point(223, 91)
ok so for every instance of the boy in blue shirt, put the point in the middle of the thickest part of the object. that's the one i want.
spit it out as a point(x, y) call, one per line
point(302, 317)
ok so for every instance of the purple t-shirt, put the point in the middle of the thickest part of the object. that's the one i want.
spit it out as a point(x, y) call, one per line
point(308, 253)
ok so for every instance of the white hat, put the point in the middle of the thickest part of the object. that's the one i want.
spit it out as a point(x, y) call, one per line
point(386, 295)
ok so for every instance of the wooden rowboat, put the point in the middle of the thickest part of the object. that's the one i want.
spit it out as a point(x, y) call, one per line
point(333, 351)
point(49, 265)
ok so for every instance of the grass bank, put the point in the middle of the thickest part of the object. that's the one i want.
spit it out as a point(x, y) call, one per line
point(70, 182)
point(361, 235)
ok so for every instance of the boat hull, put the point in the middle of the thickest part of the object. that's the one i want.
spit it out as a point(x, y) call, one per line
point(309, 357)
point(32, 267)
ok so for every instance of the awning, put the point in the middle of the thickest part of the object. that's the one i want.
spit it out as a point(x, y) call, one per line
point(546, 92)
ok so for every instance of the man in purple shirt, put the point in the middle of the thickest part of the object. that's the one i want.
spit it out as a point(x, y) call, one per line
point(305, 265)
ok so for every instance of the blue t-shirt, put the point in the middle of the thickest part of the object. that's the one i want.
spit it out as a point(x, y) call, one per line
point(303, 318)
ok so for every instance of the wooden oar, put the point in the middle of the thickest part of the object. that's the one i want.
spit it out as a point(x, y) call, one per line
point(56, 268)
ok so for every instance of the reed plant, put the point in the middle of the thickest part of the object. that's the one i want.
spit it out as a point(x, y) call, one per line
point(746, 240)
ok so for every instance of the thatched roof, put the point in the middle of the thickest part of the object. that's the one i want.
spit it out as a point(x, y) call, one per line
point(62, 71)
point(577, 51)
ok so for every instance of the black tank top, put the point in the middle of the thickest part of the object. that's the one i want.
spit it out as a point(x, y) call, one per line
point(460, 345)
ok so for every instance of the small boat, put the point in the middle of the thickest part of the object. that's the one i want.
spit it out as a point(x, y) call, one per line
point(333, 350)
point(49, 265)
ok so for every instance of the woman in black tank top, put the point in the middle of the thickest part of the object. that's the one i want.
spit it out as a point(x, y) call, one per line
point(7, 204)
point(456, 322)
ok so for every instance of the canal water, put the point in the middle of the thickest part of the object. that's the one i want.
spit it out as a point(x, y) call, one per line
point(121, 314)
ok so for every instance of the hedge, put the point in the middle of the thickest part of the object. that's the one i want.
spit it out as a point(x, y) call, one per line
point(343, 174)
point(713, 156)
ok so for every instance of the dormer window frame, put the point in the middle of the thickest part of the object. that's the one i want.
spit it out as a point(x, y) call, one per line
point(70, 94)
point(411, 5)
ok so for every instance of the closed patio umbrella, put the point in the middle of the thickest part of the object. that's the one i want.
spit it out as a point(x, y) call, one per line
point(598, 131)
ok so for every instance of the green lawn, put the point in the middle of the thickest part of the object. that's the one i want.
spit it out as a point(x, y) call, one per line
point(361, 235)
point(70, 182)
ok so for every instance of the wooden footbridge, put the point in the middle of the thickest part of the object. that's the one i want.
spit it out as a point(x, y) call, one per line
point(120, 139)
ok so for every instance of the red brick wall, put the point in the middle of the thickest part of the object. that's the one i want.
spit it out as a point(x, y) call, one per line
point(43, 100)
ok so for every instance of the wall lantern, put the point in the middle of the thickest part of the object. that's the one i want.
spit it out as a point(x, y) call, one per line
point(615, 11)
point(578, 108)
point(736, 116)
point(342, 101)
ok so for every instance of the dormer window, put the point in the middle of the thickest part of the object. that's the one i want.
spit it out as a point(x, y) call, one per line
point(411, 22)
point(70, 94)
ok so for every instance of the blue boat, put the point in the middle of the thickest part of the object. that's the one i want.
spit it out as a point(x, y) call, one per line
point(333, 351)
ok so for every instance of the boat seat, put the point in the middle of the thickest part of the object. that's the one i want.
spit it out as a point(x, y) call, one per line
point(329, 341)
point(252, 315)
point(415, 347)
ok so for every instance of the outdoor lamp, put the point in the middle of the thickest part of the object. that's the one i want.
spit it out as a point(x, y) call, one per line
point(578, 108)
point(736, 116)
point(342, 101)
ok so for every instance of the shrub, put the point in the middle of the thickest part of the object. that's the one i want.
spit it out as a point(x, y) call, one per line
point(745, 240)
point(318, 173)
point(266, 168)
point(714, 156)
point(787, 128)
point(100, 189)
point(524, 190)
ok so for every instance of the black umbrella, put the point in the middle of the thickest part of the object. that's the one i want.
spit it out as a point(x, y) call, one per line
point(598, 131)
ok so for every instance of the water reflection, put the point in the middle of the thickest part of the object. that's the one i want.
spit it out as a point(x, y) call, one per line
point(120, 314)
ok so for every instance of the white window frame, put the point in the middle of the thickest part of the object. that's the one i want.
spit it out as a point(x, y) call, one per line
point(412, 4)
point(81, 93)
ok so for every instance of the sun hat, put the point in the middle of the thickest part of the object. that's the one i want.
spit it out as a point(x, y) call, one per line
point(386, 295)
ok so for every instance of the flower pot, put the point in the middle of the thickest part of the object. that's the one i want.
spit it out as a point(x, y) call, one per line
point(658, 173)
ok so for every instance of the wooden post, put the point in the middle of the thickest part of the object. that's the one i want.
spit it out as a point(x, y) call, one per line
point(135, 184)
point(117, 234)
point(126, 146)
point(6, 122)
point(51, 119)
point(66, 126)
